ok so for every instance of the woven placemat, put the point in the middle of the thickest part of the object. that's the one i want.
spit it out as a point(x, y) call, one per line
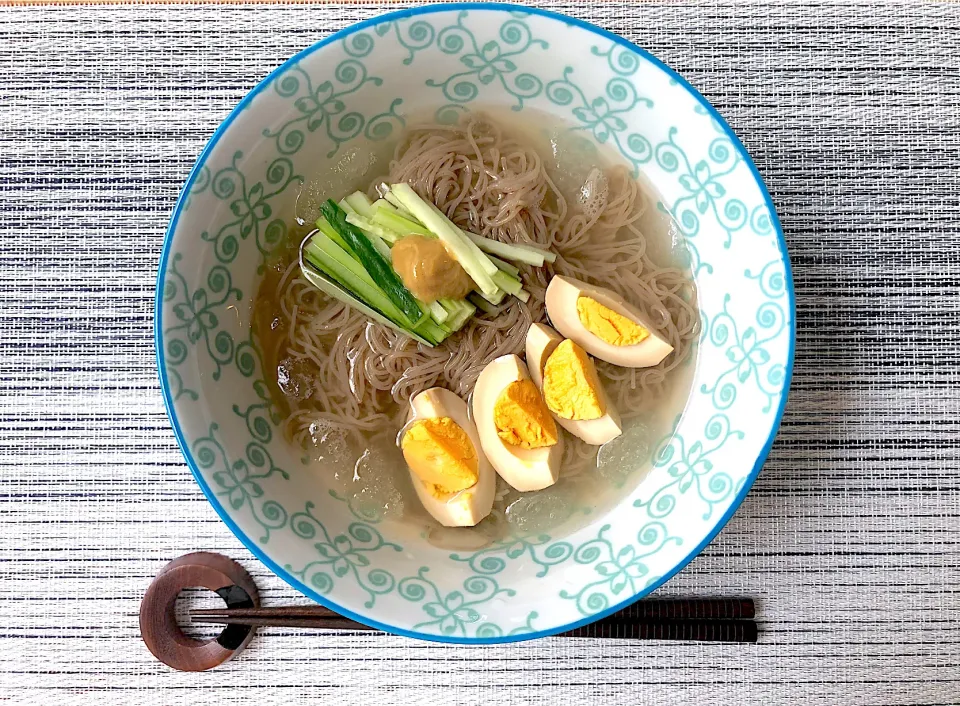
point(849, 540)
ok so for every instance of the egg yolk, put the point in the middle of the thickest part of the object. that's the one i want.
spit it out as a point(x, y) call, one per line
point(571, 387)
point(608, 325)
point(441, 455)
point(521, 417)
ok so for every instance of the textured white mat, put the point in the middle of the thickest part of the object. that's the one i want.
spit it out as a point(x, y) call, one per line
point(850, 540)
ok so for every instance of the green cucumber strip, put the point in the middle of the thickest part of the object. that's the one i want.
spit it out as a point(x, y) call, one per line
point(359, 202)
point(450, 305)
point(466, 313)
point(364, 223)
point(455, 307)
point(328, 230)
point(496, 299)
point(355, 279)
point(428, 329)
point(482, 304)
point(381, 246)
point(397, 204)
point(373, 237)
point(369, 226)
point(511, 285)
point(423, 334)
point(379, 269)
point(523, 295)
point(526, 254)
point(399, 225)
point(467, 308)
point(332, 289)
point(319, 241)
point(461, 311)
point(437, 312)
point(504, 266)
point(384, 205)
point(346, 208)
point(327, 256)
point(441, 227)
point(480, 256)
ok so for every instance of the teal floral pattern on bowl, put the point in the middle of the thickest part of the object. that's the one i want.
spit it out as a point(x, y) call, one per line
point(361, 85)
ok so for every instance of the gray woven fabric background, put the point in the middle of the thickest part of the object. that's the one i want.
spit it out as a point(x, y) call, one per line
point(850, 540)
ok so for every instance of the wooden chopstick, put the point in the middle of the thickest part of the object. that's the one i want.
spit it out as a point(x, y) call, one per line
point(700, 619)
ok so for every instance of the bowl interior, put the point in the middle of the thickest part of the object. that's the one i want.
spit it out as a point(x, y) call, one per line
point(360, 87)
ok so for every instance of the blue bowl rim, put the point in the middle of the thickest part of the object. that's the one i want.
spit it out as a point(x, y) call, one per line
point(178, 209)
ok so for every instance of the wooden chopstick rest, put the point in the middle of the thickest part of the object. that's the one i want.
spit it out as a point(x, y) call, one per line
point(158, 621)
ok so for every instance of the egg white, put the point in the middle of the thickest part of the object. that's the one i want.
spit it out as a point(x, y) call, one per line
point(541, 342)
point(561, 300)
point(524, 469)
point(467, 507)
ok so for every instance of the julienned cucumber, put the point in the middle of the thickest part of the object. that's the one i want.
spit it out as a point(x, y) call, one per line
point(496, 299)
point(482, 304)
point(511, 285)
point(349, 259)
point(368, 226)
point(379, 269)
point(504, 266)
point(433, 331)
point(360, 203)
point(372, 236)
point(526, 254)
point(329, 231)
point(325, 255)
point(508, 283)
point(437, 312)
point(440, 226)
point(458, 320)
point(330, 288)
point(476, 255)
point(383, 204)
point(395, 202)
point(398, 224)
point(452, 306)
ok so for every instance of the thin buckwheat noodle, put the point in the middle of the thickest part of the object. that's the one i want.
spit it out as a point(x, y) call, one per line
point(342, 372)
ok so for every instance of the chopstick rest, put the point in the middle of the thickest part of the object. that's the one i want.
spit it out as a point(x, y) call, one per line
point(158, 621)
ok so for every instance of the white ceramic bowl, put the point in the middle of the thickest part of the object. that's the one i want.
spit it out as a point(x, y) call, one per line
point(359, 84)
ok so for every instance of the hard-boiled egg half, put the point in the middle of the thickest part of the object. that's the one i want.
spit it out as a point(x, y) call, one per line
point(604, 324)
point(517, 433)
point(440, 444)
point(571, 387)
